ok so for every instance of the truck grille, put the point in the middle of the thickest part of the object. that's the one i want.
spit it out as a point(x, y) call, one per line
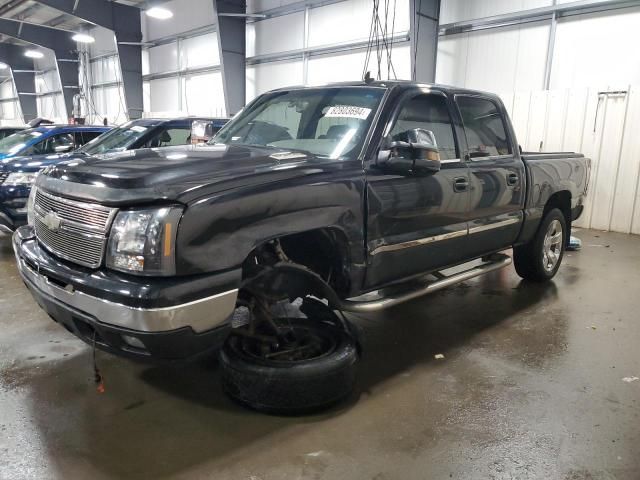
point(75, 231)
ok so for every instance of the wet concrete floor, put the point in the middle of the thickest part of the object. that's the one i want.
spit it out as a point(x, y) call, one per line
point(531, 387)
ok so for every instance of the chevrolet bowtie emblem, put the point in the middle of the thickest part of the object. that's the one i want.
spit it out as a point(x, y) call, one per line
point(52, 221)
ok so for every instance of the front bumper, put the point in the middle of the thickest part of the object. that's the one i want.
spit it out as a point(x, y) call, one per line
point(169, 332)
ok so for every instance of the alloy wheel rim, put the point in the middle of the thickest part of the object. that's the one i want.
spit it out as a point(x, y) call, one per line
point(552, 246)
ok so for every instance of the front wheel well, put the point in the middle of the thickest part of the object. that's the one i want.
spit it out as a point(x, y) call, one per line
point(324, 251)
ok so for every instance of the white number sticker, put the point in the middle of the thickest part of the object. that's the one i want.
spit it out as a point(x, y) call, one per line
point(348, 111)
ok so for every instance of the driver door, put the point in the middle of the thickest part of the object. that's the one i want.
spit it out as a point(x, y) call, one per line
point(417, 220)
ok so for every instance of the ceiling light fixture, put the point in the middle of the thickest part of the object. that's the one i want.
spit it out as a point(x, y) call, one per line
point(159, 13)
point(83, 38)
point(33, 54)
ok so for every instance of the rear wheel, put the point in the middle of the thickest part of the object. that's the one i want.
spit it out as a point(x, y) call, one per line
point(540, 259)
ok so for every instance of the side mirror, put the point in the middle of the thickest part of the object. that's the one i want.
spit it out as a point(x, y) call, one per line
point(412, 152)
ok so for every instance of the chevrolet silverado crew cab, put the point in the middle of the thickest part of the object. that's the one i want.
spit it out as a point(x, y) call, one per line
point(311, 202)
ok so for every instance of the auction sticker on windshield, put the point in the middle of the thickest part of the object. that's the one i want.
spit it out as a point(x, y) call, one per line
point(348, 111)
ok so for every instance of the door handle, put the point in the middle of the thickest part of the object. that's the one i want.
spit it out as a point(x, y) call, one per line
point(512, 179)
point(460, 184)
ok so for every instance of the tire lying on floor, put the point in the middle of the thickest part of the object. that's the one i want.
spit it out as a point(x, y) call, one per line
point(316, 372)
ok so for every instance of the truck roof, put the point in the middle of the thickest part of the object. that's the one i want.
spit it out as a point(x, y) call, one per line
point(397, 85)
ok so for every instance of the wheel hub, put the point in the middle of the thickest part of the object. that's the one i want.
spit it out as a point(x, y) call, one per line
point(552, 246)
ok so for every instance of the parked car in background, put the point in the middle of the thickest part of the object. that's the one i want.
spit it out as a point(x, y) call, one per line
point(6, 131)
point(149, 133)
point(37, 148)
point(363, 194)
point(48, 139)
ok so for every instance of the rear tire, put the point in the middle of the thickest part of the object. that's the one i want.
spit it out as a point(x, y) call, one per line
point(284, 386)
point(540, 259)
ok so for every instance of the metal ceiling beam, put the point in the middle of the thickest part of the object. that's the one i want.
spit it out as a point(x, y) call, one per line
point(23, 76)
point(64, 49)
point(124, 21)
point(536, 14)
point(232, 48)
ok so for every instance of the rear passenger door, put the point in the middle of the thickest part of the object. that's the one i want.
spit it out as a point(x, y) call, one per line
point(417, 221)
point(496, 175)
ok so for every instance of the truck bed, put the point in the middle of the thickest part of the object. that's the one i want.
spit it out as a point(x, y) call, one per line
point(530, 156)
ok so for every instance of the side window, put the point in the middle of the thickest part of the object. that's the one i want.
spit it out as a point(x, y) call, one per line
point(88, 136)
point(169, 137)
point(484, 127)
point(427, 112)
point(61, 143)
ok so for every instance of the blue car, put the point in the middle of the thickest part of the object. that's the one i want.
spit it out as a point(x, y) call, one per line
point(24, 154)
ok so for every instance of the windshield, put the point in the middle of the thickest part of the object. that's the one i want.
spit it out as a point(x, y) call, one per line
point(329, 122)
point(118, 139)
point(14, 144)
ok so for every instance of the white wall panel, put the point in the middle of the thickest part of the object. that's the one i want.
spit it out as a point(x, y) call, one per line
point(165, 95)
point(203, 95)
point(278, 34)
point(459, 10)
point(350, 21)
point(504, 59)
point(594, 49)
point(200, 51)
point(105, 42)
point(262, 5)
point(267, 76)
point(349, 66)
point(163, 58)
point(187, 15)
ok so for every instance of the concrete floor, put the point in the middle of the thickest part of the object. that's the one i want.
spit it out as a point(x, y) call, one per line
point(531, 387)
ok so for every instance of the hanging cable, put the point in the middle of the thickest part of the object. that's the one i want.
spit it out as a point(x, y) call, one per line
point(416, 39)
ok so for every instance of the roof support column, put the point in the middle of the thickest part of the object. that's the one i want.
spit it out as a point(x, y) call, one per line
point(425, 16)
point(64, 49)
point(23, 76)
point(125, 22)
point(231, 31)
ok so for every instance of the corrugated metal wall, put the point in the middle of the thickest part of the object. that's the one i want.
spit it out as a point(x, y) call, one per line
point(602, 122)
point(592, 54)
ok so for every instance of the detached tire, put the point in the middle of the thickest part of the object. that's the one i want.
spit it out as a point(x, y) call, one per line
point(283, 386)
point(540, 259)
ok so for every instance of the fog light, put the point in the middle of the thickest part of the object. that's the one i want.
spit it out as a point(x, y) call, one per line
point(133, 342)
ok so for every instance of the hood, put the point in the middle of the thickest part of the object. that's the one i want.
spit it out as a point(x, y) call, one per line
point(176, 173)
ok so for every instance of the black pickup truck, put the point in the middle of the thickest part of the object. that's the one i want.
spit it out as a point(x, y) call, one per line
point(344, 198)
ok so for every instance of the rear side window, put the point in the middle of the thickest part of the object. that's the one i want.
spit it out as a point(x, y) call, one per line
point(484, 127)
point(427, 112)
point(88, 136)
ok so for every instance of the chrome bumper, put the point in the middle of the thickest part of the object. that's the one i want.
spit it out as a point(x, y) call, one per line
point(200, 315)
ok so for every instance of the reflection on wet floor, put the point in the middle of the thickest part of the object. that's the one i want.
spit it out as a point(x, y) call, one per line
point(530, 386)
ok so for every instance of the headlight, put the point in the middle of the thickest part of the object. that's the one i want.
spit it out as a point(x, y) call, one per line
point(30, 203)
point(143, 241)
point(22, 178)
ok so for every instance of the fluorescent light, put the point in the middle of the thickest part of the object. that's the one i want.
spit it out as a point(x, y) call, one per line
point(83, 38)
point(159, 13)
point(33, 54)
point(3, 66)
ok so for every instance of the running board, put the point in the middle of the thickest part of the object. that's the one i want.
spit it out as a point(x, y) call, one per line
point(393, 296)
